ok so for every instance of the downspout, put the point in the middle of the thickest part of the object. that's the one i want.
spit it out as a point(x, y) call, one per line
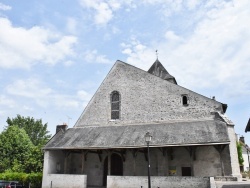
point(248, 160)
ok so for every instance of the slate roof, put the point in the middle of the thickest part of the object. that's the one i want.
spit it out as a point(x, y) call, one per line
point(157, 69)
point(248, 126)
point(207, 132)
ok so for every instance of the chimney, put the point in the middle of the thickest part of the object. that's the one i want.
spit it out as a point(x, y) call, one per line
point(242, 139)
point(61, 127)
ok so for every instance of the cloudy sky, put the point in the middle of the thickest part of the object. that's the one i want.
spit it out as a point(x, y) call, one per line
point(55, 54)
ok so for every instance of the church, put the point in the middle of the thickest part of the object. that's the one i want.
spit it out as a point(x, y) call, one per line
point(192, 138)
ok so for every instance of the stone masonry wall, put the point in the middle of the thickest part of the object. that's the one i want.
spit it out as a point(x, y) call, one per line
point(161, 182)
point(233, 152)
point(207, 163)
point(145, 98)
point(65, 181)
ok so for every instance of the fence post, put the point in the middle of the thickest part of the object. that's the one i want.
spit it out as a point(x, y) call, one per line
point(51, 184)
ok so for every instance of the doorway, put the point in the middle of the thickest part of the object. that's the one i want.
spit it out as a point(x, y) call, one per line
point(116, 167)
point(186, 171)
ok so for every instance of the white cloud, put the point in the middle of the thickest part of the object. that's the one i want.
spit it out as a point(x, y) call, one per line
point(192, 4)
point(94, 57)
point(44, 96)
point(83, 95)
point(215, 54)
point(104, 13)
point(21, 47)
point(104, 9)
point(171, 36)
point(6, 102)
point(27, 108)
point(64, 101)
point(30, 88)
point(5, 7)
point(138, 54)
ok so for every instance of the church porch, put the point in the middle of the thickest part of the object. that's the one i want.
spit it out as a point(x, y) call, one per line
point(97, 165)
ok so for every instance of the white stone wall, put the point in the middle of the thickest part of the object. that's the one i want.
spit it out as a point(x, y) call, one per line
point(161, 182)
point(94, 169)
point(51, 158)
point(65, 181)
point(246, 162)
point(145, 98)
point(207, 162)
point(233, 152)
point(58, 179)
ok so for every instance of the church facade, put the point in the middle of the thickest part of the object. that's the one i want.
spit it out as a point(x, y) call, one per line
point(191, 135)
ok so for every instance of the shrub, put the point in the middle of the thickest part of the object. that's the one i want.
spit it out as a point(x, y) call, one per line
point(34, 179)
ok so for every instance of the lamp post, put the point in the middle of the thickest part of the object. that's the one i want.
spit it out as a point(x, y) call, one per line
point(148, 138)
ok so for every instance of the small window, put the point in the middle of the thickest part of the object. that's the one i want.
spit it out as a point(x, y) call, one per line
point(115, 105)
point(184, 100)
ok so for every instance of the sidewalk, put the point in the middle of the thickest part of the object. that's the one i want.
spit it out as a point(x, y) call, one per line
point(245, 183)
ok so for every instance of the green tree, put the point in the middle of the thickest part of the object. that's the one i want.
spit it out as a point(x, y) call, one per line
point(21, 145)
point(36, 130)
point(15, 149)
point(239, 150)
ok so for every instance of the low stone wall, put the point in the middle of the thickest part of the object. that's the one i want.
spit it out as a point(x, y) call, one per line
point(225, 178)
point(157, 182)
point(64, 181)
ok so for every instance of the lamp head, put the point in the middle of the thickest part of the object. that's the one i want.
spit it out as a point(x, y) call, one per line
point(148, 137)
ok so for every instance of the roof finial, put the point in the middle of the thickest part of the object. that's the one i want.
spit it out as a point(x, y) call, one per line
point(156, 53)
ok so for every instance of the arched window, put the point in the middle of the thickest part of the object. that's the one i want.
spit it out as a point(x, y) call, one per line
point(115, 105)
point(184, 100)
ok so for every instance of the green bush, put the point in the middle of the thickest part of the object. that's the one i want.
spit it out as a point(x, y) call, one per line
point(34, 179)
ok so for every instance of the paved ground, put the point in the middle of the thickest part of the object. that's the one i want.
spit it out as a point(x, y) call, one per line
point(230, 184)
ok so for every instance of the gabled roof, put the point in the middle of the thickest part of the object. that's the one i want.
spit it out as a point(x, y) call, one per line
point(208, 132)
point(157, 69)
point(146, 98)
point(248, 126)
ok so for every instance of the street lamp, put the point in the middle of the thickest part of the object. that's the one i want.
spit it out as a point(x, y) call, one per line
point(148, 138)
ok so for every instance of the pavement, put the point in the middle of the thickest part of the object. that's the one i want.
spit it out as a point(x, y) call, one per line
point(245, 183)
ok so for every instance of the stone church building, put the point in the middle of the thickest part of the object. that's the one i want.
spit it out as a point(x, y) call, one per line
point(191, 136)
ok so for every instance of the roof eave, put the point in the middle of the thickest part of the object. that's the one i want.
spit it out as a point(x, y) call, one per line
point(248, 126)
point(140, 146)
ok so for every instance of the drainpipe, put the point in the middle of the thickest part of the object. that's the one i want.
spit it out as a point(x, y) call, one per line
point(248, 160)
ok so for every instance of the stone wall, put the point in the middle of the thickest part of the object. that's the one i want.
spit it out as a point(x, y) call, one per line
point(145, 98)
point(161, 182)
point(233, 152)
point(246, 161)
point(65, 181)
point(207, 163)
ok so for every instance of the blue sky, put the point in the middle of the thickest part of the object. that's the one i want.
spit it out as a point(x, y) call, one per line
point(55, 54)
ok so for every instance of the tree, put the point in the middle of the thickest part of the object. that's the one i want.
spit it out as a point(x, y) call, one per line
point(36, 130)
point(239, 150)
point(15, 149)
point(21, 144)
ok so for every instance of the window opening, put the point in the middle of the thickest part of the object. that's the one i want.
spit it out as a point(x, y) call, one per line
point(184, 100)
point(115, 105)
